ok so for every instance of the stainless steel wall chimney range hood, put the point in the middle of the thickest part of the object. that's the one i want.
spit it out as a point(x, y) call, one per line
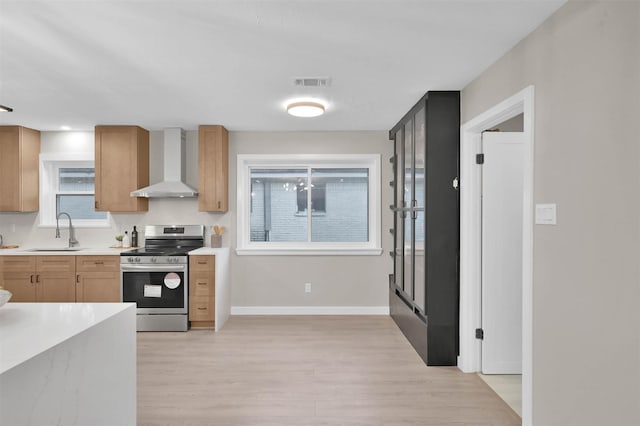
point(173, 185)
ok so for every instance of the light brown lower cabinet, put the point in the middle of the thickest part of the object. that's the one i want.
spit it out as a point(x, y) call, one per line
point(202, 287)
point(39, 278)
point(97, 279)
point(62, 279)
point(18, 277)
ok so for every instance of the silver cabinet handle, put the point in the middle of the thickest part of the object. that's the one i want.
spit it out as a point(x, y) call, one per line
point(159, 268)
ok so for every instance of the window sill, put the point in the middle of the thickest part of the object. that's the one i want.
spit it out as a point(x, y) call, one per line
point(309, 252)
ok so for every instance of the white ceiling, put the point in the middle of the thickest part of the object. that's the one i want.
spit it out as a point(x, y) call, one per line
point(185, 63)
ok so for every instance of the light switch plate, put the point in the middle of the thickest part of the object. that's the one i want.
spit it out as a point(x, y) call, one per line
point(545, 214)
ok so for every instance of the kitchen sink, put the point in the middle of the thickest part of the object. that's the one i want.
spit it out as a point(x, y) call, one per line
point(55, 249)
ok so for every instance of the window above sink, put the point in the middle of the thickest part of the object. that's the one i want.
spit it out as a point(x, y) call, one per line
point(67, 184)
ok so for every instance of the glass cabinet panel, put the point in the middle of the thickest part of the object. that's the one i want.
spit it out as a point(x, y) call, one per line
point(419, 223)
point(398, 268)
point(399, 170)
point(408, 197)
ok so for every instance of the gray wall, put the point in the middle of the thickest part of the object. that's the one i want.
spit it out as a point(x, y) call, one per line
point(336, 280)
point(585, 64)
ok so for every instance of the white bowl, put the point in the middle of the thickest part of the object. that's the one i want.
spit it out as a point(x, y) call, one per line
point(5, 295)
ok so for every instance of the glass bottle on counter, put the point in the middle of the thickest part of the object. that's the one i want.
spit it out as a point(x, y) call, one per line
point(134, 237)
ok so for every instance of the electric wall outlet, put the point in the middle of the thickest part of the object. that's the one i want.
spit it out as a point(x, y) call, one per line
point(307, 287)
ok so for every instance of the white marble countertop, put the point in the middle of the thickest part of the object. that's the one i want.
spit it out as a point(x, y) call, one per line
point(28, 329)
point(210, 251)
point(83, 251)
point(97, 251)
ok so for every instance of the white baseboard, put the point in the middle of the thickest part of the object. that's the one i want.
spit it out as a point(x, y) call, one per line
point(309, 310)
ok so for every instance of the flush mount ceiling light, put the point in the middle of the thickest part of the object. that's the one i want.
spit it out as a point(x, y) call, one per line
point(305, 109)
point(5, 108)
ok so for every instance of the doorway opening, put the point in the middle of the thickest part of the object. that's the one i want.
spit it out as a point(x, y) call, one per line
point(518, 107)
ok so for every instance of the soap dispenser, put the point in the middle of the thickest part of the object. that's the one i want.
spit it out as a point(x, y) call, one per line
point(126, 242)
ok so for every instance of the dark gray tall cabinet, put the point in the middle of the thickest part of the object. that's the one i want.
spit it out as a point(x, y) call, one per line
point(424, 286)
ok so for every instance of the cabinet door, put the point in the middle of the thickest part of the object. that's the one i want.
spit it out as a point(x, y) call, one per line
point(18, 275)
point(97, 263)
point(26, 264)
point(213, 169)
point(419, 147)
point(56, 287)
point(409, 202)
point(98, 287)
point(201, 309)
point(122, 166)
point(21, 285)
point(55, 278)
point(398, 267)
point(55, 264)
point(202, 285)
point(19, 170)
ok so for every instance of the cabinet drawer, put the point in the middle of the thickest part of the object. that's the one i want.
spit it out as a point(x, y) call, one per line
point(97, 263)
point(56, 263)
point(25, 264)
point(201, 309)
point(202, 263)
point(201, 285)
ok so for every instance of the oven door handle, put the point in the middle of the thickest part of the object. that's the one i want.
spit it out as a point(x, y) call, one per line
point(158, 268)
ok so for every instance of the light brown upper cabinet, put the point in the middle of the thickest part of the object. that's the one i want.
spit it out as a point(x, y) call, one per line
point(122, 166)
point(19, 173)
point(213, 169)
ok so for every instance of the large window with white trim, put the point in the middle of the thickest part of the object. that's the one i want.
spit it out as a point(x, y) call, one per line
point(308, 204)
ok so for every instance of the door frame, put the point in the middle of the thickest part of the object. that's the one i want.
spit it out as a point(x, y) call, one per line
point(469, 359)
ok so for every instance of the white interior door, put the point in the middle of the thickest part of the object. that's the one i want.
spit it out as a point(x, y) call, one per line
point(502, 201)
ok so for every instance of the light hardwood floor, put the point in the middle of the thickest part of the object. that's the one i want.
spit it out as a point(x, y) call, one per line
point(508, 387)
point(310, 370)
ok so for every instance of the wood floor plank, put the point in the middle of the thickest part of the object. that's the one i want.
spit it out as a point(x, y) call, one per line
point(305, 370)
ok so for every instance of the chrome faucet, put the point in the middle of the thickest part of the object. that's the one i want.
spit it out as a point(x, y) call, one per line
point(72, 232)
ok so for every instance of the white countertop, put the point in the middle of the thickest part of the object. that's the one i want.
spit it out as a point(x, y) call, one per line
point(86, 251)
point(210, 251)
point(96, 251)
point(28, 329)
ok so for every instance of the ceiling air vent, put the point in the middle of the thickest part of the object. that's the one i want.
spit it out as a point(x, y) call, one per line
point(311, 81)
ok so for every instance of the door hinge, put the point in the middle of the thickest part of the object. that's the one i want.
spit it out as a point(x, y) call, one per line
point(479, 158)
point(479, 333)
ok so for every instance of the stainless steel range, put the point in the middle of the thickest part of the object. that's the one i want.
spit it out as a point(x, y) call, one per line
point(156, 277)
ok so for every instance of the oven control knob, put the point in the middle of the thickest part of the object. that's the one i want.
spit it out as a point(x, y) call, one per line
point(154, 259)
point(137, 260)
point(130, 259)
